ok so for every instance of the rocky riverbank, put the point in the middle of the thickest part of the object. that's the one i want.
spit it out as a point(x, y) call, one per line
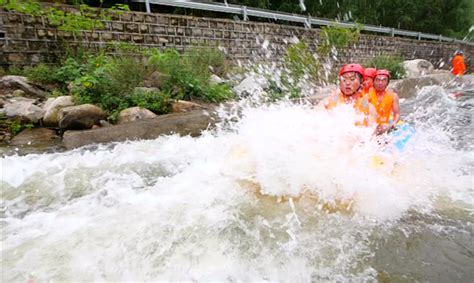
point(58, 122)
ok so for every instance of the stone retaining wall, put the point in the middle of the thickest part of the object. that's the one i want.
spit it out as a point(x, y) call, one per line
point(26, 40)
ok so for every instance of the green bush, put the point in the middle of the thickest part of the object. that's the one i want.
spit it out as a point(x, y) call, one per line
point(391, 63)
point(300, 61)
point(41, 73)
point(187, 75)
point(337, 37)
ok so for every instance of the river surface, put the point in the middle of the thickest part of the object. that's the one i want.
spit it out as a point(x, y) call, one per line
point(280, 192)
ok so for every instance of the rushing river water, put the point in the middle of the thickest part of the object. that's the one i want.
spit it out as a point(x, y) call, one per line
point(282, 193)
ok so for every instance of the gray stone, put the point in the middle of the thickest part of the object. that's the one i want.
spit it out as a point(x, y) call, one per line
point(417, 68)
point(80, 117)
point(251, 85)
point(37, 136)
point(21, 83)
point(21, 108)
point(191, 123)
point(134, 113)
point(52, 108)
point(407, 88)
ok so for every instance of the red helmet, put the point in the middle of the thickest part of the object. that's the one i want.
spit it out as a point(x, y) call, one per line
point(370, 73)
point(352, 68)
point(383, 73)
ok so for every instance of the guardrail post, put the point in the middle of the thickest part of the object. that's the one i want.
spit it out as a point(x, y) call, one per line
point(307, 23)
point(244, 12)
point(147, 5)
point(392, 32)
point(440, 38)
point(419, 35)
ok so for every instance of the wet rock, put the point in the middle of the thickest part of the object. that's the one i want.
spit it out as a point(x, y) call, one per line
point(251, 85)
point(185, 106)
point(190, 123)
point(80, 117)
point(12, 83)
point(417, 68)
point(23, 109)
point(52, 108)
point(134, 113)
point(35, 137)
point(407, 88)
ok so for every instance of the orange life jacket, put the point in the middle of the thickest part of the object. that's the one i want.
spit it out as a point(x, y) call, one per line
point(384, 107)
point(459, 68)
point(360, 103)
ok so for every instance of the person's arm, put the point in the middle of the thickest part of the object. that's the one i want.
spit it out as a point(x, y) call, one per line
point(395, 109)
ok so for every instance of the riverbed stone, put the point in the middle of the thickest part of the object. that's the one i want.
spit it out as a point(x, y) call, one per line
point(36, 136)
point(52, 108)
point(134, 113)
point(190, 123)
point(13, 83)
point(80, 117)
point(417, 68)
point(23, 109)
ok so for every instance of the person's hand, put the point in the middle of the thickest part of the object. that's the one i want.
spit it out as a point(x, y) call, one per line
point(380, 129)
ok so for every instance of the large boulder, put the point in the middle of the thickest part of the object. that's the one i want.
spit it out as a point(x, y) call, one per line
point(407, 88)
point(417, 68)
point(190, 123)
point(23, 109)
point(12, 83)
point(35, 137)
point(134, 113)
point(52, 108)
point(80, 117)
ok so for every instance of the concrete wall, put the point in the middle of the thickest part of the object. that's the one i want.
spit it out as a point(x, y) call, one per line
point(26, 40)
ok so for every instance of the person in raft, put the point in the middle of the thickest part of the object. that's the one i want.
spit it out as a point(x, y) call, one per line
point(385, 101)
point(369, 76)
point(459, 68)
point(349, 92)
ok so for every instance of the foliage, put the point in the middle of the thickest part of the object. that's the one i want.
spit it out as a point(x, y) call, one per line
point(41, 73)
point(300, 61)
point(86, 18)
point(187, 76)
point(337, 37)
point(155, 101)
point(446, 17)
point(393, 64)
point(16, 127)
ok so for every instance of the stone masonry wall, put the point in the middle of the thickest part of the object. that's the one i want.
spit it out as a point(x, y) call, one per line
point(26, 40)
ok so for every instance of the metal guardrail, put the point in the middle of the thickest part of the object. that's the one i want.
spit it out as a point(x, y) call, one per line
point(308, 21)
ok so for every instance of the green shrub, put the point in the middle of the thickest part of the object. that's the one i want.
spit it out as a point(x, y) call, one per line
point(391, 63)
point(16, 127)
point(157, 102)
point(337, 37)
point(187, 75)
point(300, 61)
point(41, 73)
